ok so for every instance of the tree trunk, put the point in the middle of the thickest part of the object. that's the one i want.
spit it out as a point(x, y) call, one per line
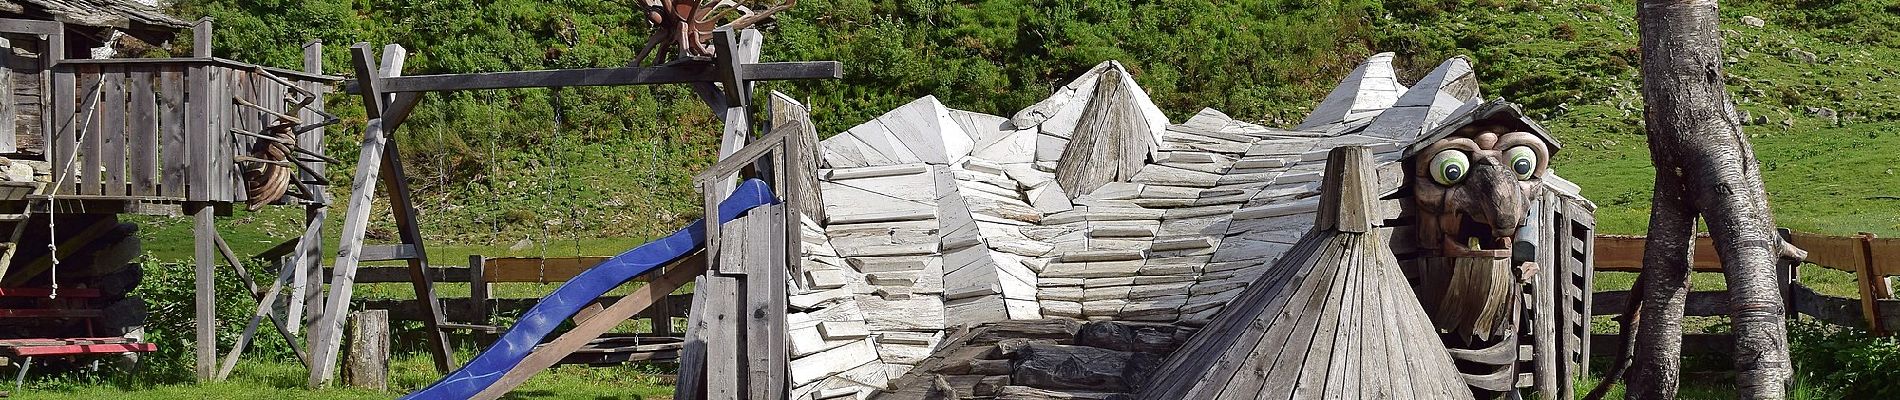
point(1704, 165)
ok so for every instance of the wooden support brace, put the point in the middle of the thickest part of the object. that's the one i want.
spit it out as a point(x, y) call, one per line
point(592, 327)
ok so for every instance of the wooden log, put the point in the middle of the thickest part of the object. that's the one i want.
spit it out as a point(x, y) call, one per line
point(478, 289)
point(368, 361)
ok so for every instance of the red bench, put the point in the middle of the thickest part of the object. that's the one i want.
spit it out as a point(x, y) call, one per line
point(25, 350)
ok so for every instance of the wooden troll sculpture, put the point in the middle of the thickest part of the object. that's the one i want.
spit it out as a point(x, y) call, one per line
point(1472, 186)
point(688, 25)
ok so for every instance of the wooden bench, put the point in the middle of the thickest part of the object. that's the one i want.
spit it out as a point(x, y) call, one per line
point(25, 350)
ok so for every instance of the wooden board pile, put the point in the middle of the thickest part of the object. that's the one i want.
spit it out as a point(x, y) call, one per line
point(1089, 205)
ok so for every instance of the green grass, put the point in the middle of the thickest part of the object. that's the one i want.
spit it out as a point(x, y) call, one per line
point(285, 380)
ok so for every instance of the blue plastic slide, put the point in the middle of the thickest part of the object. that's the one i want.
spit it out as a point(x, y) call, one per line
point(539, 321)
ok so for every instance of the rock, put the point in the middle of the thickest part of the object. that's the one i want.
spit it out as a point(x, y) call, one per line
point(1060, 367)
point(1797, 54)
point(1753, 22)
point(990, 386)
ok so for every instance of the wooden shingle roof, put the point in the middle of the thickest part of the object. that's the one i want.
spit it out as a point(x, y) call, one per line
point(1334, 318)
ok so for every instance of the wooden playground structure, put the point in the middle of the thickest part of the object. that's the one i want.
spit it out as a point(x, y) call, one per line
point(1147, 232)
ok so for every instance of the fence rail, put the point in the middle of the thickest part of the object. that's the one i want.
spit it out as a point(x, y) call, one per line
point(1871, 259)
point(480, 308)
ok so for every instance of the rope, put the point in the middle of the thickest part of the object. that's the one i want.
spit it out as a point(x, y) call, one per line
point(52, 226)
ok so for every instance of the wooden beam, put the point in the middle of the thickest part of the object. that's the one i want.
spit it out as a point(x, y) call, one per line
point(687, 72)
point(408, 226)
point(765, 297)
point(31, 27)
point(325, 334)
point(587, 330)
point(1873, 287)
point(206, 300)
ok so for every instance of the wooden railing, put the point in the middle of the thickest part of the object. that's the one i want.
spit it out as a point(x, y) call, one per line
point(1870, 259)
point(136, 127)
point(158, 128)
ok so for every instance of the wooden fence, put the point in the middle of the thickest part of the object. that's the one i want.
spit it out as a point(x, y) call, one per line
point(479, 309)
point(1870, 259)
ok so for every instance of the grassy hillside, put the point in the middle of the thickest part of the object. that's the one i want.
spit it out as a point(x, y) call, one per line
point(494, 168)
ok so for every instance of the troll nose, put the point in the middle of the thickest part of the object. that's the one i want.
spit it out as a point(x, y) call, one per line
point(1502, 203)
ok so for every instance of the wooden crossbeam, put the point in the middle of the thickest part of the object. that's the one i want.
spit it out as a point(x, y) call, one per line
point(685, 72)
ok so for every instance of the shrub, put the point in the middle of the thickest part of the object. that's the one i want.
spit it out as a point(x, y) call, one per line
point(1845, 361)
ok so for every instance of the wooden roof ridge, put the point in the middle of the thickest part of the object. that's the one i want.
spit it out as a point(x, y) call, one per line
point(1334, 318)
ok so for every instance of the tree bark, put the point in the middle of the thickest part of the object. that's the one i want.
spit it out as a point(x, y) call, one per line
point(1704, 165)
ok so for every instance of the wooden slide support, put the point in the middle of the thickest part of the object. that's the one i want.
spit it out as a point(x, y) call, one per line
point(593, 327)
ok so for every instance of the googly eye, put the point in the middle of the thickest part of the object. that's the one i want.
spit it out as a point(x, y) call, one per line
point(1450, 167)
point(1523, 161)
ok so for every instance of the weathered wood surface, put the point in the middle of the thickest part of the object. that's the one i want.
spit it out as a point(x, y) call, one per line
point(367, 365)
point(205, 303)
point(1111, 141)
point(1336, 306)
point(679, 73)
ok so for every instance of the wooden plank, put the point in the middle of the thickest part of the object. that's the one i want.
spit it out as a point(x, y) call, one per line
point(86, 168)
point(172, 126)
point(458, 308)
point(538, 270)
point(691, 384)
point(63, 126)
point(1886, 256)
point(587, 330)
point(326, 334)
point(198, 128)
point(720, 330)
point(205, 302)
point(1834, 252)
point(1834, 310)
point(32, 26)
point(368, 361)
point(1873, 287)
point(1618, 253)
point(113, 137)
point(1700, 304)
point(58, 97)
point(306, 296)
point(478, 291)
point(765, 296)
point(142, 141)
point(224, 148)
point(677, 73)
point(10, 107)
point(313, 140)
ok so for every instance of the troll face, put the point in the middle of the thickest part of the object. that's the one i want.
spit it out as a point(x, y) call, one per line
point(1473, 188)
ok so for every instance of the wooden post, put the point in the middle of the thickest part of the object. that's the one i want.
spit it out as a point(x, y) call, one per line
point(765, 297)
point(408, 229)
point(1872, 287)
point(368, 362)
point(306, 300)
point(205, 252)
point(478, 290)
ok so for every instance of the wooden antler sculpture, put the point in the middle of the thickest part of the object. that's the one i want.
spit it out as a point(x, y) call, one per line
point(688, 25)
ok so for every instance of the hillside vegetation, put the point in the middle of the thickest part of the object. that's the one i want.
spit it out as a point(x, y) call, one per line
point(499, 167)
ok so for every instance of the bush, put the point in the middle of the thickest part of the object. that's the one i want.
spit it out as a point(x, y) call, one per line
point(1845, 361)
point(170, 291)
